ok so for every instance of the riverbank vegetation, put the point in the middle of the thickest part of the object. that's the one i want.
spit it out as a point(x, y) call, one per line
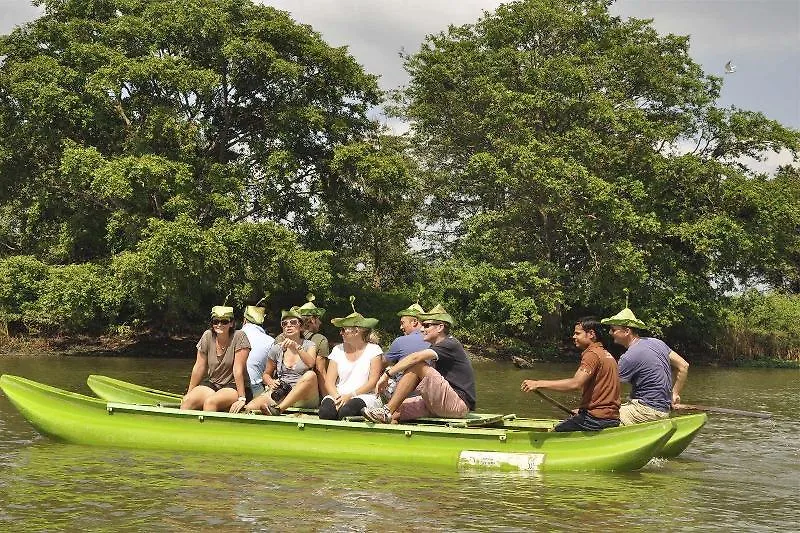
point(157, 158)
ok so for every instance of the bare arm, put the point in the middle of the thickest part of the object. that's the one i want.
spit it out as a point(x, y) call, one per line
point(681, 367)
point(268, 377)
point(411, 360)
point(576, 382)
point(321, 367)
point(309, 356)
point(240, 370)
point(330, 379)
point(198, 370)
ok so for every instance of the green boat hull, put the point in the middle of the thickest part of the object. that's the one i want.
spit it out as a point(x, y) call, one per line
point(80, 419)
point(115, 390)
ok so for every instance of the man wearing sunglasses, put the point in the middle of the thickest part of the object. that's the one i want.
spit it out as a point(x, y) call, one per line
point(446, 387)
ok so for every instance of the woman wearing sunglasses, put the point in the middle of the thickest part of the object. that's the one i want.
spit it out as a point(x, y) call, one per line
point(289, 378)
point(219, 376)
point(353, 369)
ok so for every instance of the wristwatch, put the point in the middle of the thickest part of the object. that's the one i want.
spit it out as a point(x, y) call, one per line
point(242, 399)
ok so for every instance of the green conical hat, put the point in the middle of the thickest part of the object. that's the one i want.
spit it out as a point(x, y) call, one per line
point(437, 313)
point(355, 319)
point(291, 313)
point(624, 318)
point(221, 311)
point(412, 310)
point(254, 314)
point(309, 309)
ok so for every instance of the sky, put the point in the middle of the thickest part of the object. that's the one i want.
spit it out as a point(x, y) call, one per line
point(761, 37)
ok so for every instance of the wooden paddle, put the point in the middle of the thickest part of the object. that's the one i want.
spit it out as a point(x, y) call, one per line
point(720, 410)
point(552, 401)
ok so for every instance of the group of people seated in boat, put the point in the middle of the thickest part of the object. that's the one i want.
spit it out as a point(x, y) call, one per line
point(647, 364)
point(424, 372)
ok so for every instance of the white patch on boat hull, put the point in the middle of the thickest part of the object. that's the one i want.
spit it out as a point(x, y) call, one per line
point(504, 460)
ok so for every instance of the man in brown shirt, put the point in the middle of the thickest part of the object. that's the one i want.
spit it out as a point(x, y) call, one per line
point(597, 375)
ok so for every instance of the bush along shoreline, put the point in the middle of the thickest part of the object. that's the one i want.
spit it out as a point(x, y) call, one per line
point(182, 346)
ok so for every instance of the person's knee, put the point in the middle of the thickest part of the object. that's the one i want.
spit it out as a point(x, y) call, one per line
point(210, 404)
point(327, 409)
point(309, 377)
point(353, 407)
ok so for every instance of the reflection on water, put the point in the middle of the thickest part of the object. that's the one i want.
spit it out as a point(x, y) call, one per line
point(739, 474)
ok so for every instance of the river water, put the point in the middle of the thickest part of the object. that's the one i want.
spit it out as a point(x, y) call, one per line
point(740, 474)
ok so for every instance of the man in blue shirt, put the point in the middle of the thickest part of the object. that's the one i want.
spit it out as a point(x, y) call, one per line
point(409, 342)
point(647, 365)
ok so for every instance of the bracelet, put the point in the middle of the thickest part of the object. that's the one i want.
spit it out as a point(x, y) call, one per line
point(242, 399)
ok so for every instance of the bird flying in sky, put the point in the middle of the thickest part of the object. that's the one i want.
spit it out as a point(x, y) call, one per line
point(730, 68)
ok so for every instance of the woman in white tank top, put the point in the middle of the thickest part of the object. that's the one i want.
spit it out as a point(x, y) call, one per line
point(353, 369)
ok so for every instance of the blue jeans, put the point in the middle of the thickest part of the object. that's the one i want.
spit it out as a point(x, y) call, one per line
point(583, 421)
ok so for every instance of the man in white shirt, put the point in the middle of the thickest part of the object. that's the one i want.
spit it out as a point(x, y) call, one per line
point(260, 343)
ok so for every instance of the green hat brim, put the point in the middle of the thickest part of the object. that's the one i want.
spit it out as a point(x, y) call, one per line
point(413, 310)
point(440, 317)
point(355, 319)
point(220, 311)
point(624, 318)
point(291, 313)
point(628, 323)
point(254, 315)
point(309, 309)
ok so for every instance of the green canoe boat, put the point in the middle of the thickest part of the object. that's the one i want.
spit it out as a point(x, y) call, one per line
point(76, 418)
point(115, 390)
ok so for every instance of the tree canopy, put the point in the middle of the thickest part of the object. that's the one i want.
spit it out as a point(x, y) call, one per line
point(135, 134)
point(591, 149)
point(158, 156)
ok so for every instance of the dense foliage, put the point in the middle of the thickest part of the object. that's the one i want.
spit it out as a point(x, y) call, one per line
point(168, 153)
point(589, 149)
point(761, 326)
point(158, 156)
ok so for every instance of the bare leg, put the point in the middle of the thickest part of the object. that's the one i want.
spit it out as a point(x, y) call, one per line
point(303, 390)
point(261, 401)
point(411, 378)
point(196, 397)
point(221, 400)
point(322, 369)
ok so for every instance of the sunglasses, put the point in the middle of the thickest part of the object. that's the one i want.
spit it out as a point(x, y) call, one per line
point(290, 322)
point(220, 321)
point(349, 328)
point(430, 324)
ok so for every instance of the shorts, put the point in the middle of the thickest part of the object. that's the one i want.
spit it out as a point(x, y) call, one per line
point(436, 397)
point(248, 394)
point(636, 412)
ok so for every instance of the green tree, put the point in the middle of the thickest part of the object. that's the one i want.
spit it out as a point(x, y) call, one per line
point(163, 149)
point(113, 112)
point(556, 135)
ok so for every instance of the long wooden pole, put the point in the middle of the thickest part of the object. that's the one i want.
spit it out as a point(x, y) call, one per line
point(552, 401)
point(720, 410)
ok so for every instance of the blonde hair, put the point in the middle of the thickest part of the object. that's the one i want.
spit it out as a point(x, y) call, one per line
point(373, 337)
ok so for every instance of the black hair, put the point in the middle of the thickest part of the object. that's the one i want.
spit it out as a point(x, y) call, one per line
point(592, 323)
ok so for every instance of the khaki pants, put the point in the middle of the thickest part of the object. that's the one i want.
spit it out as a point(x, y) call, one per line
point(635, 412)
